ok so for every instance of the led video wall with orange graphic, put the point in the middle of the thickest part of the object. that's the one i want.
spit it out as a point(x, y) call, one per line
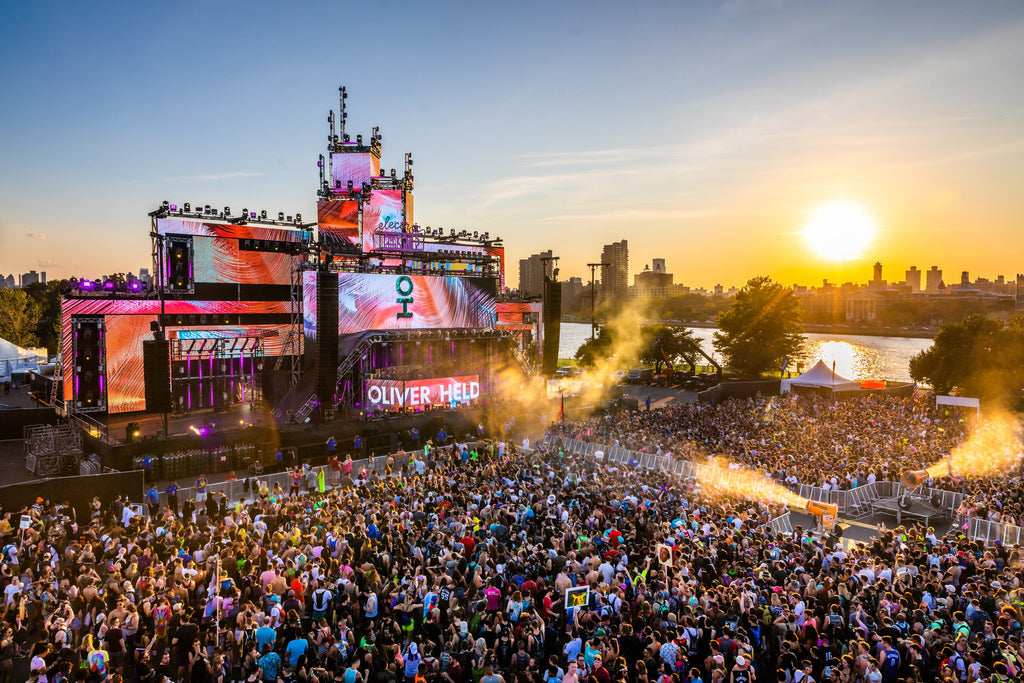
point(218, 256)
point(128, 324)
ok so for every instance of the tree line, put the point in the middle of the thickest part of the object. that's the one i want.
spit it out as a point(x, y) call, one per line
point(979, 355)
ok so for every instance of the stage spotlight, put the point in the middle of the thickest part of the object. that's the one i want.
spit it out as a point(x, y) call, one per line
point(87, 285)
point(135, 286)
point(263, 214)
point(188, 207)
point(393, 173)
point(349, 185)
point(109, 285)
point(348, 138)
point(166, 203)
point(206, 208)
point(227, 210)
point(280, 215)
point(298, 218)
point(174, 207)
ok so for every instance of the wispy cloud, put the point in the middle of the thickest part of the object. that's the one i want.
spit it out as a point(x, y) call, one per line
point(36, 235)
point(47, 263)
point(217, 176)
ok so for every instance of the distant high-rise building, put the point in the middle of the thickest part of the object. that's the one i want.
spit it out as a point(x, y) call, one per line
point(145, 278)
point(965, 278)
point(615, 277)
point(531, 274)
point(933, 278)
point(30, 278)
point(572, 290)
point(652, 283)
point(1020, 293)
point(913, 280)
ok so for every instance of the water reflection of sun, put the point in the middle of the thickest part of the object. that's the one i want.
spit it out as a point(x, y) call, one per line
point(852, 361)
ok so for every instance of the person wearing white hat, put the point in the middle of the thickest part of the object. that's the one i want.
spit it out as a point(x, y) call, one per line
point(412, 662)
point(741, 672)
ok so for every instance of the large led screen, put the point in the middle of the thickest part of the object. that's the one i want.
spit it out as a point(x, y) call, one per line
point(384, 211)
point(375, 301)
point(358, 167)
point(338, 220)
point(128, 324)
point(218, 258)
point(421, 393)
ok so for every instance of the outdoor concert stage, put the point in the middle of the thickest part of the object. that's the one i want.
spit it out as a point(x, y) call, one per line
point(919, 510)
point(260, 321)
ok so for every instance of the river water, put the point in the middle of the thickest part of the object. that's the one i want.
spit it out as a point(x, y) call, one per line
point(856, 356)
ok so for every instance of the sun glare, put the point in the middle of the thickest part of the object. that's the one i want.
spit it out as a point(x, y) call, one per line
point(838, 232)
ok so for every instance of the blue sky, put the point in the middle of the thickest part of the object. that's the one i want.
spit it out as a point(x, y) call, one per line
point(702, 132)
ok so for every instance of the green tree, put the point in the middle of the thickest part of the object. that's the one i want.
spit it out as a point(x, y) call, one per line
point(48, 296)
point(596, 349)
point(979, 357)
point(19, 316)
point(666, 342)
point(760, 328)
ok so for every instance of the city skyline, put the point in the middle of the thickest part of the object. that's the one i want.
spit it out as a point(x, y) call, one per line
point(711, 137)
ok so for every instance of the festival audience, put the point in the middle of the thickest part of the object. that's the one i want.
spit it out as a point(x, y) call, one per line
point(475, 563)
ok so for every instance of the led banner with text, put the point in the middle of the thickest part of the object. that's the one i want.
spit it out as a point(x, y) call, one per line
point(420, 393)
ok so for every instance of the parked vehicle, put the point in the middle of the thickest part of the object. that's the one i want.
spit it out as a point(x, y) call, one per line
point(640, 376)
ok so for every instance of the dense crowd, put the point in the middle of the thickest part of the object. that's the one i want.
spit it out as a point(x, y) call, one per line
point(817, 441)
point(473, 563)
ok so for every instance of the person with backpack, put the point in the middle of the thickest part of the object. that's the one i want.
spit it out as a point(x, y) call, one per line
point(728, 646)
point(322, 598)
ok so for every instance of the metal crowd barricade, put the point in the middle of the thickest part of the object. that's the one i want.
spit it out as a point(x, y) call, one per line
point(783, 524)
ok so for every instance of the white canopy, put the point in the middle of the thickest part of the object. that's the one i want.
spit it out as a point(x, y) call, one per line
point(13, 359)
point(820, 376)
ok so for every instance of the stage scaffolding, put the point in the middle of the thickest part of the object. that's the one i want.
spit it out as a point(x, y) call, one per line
point(293, 344)
point(52, 449)
point(227, 369)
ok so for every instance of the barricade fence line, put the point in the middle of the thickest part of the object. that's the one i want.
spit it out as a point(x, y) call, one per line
point(859, 498)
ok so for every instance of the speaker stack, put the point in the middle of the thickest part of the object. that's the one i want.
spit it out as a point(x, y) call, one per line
point(90, 364)
point(327, 342)
point(552, 324)
point(156, 371)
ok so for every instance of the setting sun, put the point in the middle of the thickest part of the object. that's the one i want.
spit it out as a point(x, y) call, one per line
point(839, 232)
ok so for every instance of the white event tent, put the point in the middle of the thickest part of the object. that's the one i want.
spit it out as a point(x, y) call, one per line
point(820, 377)
point(14, 359)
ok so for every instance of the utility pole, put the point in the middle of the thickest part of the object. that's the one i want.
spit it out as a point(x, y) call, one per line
point(593, 319)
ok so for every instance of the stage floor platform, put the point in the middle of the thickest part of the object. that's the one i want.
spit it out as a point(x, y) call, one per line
point(151, 423)
point(918, 510)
